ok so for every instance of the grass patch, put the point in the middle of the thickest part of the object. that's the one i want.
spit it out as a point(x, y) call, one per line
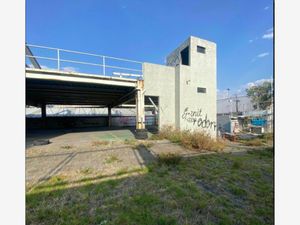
point(196, 140)
point(252, 142)
point(130, 142)
point(263, 140)
point(142, 145)
point(86, 171)
point(66, 147)
point(100, 143)
point(237, 164)
point(207, 189)
point(169, 158)
point(112, 159)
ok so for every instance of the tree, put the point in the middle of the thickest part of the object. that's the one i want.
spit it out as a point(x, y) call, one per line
point(261, 95)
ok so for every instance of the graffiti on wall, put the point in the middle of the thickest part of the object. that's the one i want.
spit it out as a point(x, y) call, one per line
point(124, 121)
point(197, 118)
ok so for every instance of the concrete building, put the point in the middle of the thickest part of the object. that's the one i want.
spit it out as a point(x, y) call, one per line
point(234, 105)
point(186, 86)
point(182, 92)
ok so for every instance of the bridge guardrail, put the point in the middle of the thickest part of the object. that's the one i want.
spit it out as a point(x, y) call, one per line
point(42, 57)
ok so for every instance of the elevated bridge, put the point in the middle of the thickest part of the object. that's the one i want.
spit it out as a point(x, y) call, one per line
point(64, 77)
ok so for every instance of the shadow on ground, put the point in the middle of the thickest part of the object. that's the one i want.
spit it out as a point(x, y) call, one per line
point(34, 137)
point(207, 189)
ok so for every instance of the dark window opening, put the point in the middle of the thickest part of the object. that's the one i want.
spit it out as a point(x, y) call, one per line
point(200, 49)
point(201, 90)
point(185, 56)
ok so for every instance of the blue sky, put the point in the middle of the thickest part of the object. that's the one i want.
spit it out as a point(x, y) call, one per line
point(149, 30)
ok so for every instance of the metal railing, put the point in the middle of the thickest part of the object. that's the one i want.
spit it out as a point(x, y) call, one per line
point(100, 65)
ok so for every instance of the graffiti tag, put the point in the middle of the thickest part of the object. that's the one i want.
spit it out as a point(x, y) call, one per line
point(197, 118)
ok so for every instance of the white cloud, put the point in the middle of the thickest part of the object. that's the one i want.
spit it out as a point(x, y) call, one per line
point(241, 90)
point(69, 69)
point(268, 34)
point(261, 55)
point(252, 40)
point(257, 82)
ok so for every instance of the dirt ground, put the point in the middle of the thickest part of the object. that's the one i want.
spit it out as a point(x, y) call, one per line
point(90, 152)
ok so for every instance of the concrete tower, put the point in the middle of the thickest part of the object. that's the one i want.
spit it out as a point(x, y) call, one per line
point(186, 87)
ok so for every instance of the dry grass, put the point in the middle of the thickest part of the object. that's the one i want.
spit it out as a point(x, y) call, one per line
point(207, 189)
point(265, 139)
point(100, 143)
point(193, 140)
point(169, 158)
point(131, 142)
point(112, 159)
point(67, 147)
point(86, 171)
point(253, 142)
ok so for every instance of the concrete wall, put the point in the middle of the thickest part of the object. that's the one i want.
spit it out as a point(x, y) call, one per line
point(224, 123)
point(198, 110)
point(228, 105)
point(159, 81)
point(180, 103)
point(84, 122)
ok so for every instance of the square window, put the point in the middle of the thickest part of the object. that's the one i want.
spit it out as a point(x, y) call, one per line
point(200, 49)
point(201, 90)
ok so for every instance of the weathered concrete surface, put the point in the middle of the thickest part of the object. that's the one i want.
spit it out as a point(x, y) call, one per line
point(160, 81)
point(176, 85)
point(74, 154)
point(165, 146)
point(81, 155)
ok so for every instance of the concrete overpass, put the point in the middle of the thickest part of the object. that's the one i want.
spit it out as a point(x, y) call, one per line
point(59, 87)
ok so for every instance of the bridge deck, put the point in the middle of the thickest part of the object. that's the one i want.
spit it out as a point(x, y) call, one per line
point(72, 88)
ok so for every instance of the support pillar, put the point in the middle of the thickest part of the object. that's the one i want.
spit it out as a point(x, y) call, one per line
point(43, 108)
point(141, 132)
point(44, 115)
point(109, 116)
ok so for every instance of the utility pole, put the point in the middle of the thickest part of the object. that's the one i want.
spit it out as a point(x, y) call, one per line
point(237, 104)
point(229, 100)
point(228, 92)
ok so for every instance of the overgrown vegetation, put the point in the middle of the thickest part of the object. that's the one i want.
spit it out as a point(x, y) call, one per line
point(112, 159)
point(263, 140)
point(86, 171)
point(130, 142)
point(140, 145)
point(169, 158)
point(207, 189)
point(67, 147)
point(197, 140)
point(100, 143)
point(261, 95)
point(252, 142)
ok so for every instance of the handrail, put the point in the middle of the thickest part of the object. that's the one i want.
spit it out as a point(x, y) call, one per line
point(103, 59)
point(83, 53)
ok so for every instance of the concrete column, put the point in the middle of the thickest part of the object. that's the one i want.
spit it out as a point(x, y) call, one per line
point(109, 116)
point(140, 108)
point(43, 107)
point(141, 132)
